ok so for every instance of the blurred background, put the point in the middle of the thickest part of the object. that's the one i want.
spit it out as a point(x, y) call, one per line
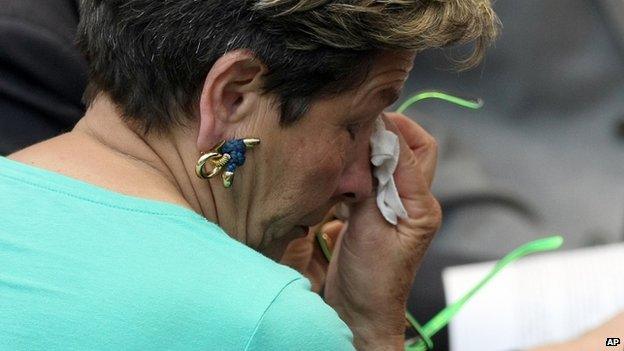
point(545, 155)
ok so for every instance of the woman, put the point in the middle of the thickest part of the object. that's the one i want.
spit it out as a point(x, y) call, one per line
point(217, 132)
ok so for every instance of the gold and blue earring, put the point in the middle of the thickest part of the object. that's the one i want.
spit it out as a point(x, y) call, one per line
point(228, 155)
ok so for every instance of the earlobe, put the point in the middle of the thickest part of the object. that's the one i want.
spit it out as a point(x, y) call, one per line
point(229, 94)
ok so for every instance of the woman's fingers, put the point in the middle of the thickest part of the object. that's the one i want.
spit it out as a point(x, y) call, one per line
point(330, 231)
point(298, 254)
point(305, 255)
point(415, 138)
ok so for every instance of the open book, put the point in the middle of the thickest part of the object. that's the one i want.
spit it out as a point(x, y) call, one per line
point(538, 300)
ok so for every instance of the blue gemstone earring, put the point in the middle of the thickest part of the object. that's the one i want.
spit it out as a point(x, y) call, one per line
point(227, 154)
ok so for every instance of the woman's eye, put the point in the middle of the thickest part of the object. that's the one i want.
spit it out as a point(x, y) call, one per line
point(352, 129)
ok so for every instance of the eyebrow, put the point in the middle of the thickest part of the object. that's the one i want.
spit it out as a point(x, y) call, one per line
point(390, 95)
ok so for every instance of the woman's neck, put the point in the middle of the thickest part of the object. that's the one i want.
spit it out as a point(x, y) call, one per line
point(140, 158)
point(103, 150)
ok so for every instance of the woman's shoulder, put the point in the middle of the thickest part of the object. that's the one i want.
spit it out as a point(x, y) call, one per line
point(129, 262)
point(297, 317)
point(138, 262)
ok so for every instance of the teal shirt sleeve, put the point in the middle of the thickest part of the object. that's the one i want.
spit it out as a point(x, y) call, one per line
point(298, 319)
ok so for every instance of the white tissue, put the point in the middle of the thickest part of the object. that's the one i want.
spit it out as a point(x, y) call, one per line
point(385, 157)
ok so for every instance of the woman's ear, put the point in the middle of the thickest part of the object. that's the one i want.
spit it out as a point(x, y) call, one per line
point(230, 92)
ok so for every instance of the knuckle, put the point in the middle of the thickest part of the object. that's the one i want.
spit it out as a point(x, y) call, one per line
point(431, 142)
point(428, 218)
point(436, 213)
point(433, 218)
point(434, 143)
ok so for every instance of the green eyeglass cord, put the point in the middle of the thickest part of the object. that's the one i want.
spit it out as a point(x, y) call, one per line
point(440, 320)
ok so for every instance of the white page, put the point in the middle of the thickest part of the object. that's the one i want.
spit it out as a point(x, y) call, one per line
point(537, 300)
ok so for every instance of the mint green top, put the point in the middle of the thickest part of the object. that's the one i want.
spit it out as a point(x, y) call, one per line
point(84, 268)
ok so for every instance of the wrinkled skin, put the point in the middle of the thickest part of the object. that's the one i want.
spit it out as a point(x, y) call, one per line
point(374, 263)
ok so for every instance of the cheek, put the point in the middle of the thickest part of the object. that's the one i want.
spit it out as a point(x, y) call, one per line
point(321, 167)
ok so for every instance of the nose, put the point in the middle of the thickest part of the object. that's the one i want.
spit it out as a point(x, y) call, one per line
point(356, 182)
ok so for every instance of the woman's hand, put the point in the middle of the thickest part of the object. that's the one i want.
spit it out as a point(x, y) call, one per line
point(305, 255)
point(374, 262)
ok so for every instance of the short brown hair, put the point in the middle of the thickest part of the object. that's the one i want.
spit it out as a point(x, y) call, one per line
point(151, 57)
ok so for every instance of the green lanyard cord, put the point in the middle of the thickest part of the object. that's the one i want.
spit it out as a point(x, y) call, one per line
point(424, 95)
point(424, 337)
point(441, 319)
point(323, 243)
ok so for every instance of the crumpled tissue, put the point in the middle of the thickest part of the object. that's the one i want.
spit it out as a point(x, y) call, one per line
point(385, 158)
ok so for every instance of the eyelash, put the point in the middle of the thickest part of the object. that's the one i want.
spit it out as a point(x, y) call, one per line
point(352, 129)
